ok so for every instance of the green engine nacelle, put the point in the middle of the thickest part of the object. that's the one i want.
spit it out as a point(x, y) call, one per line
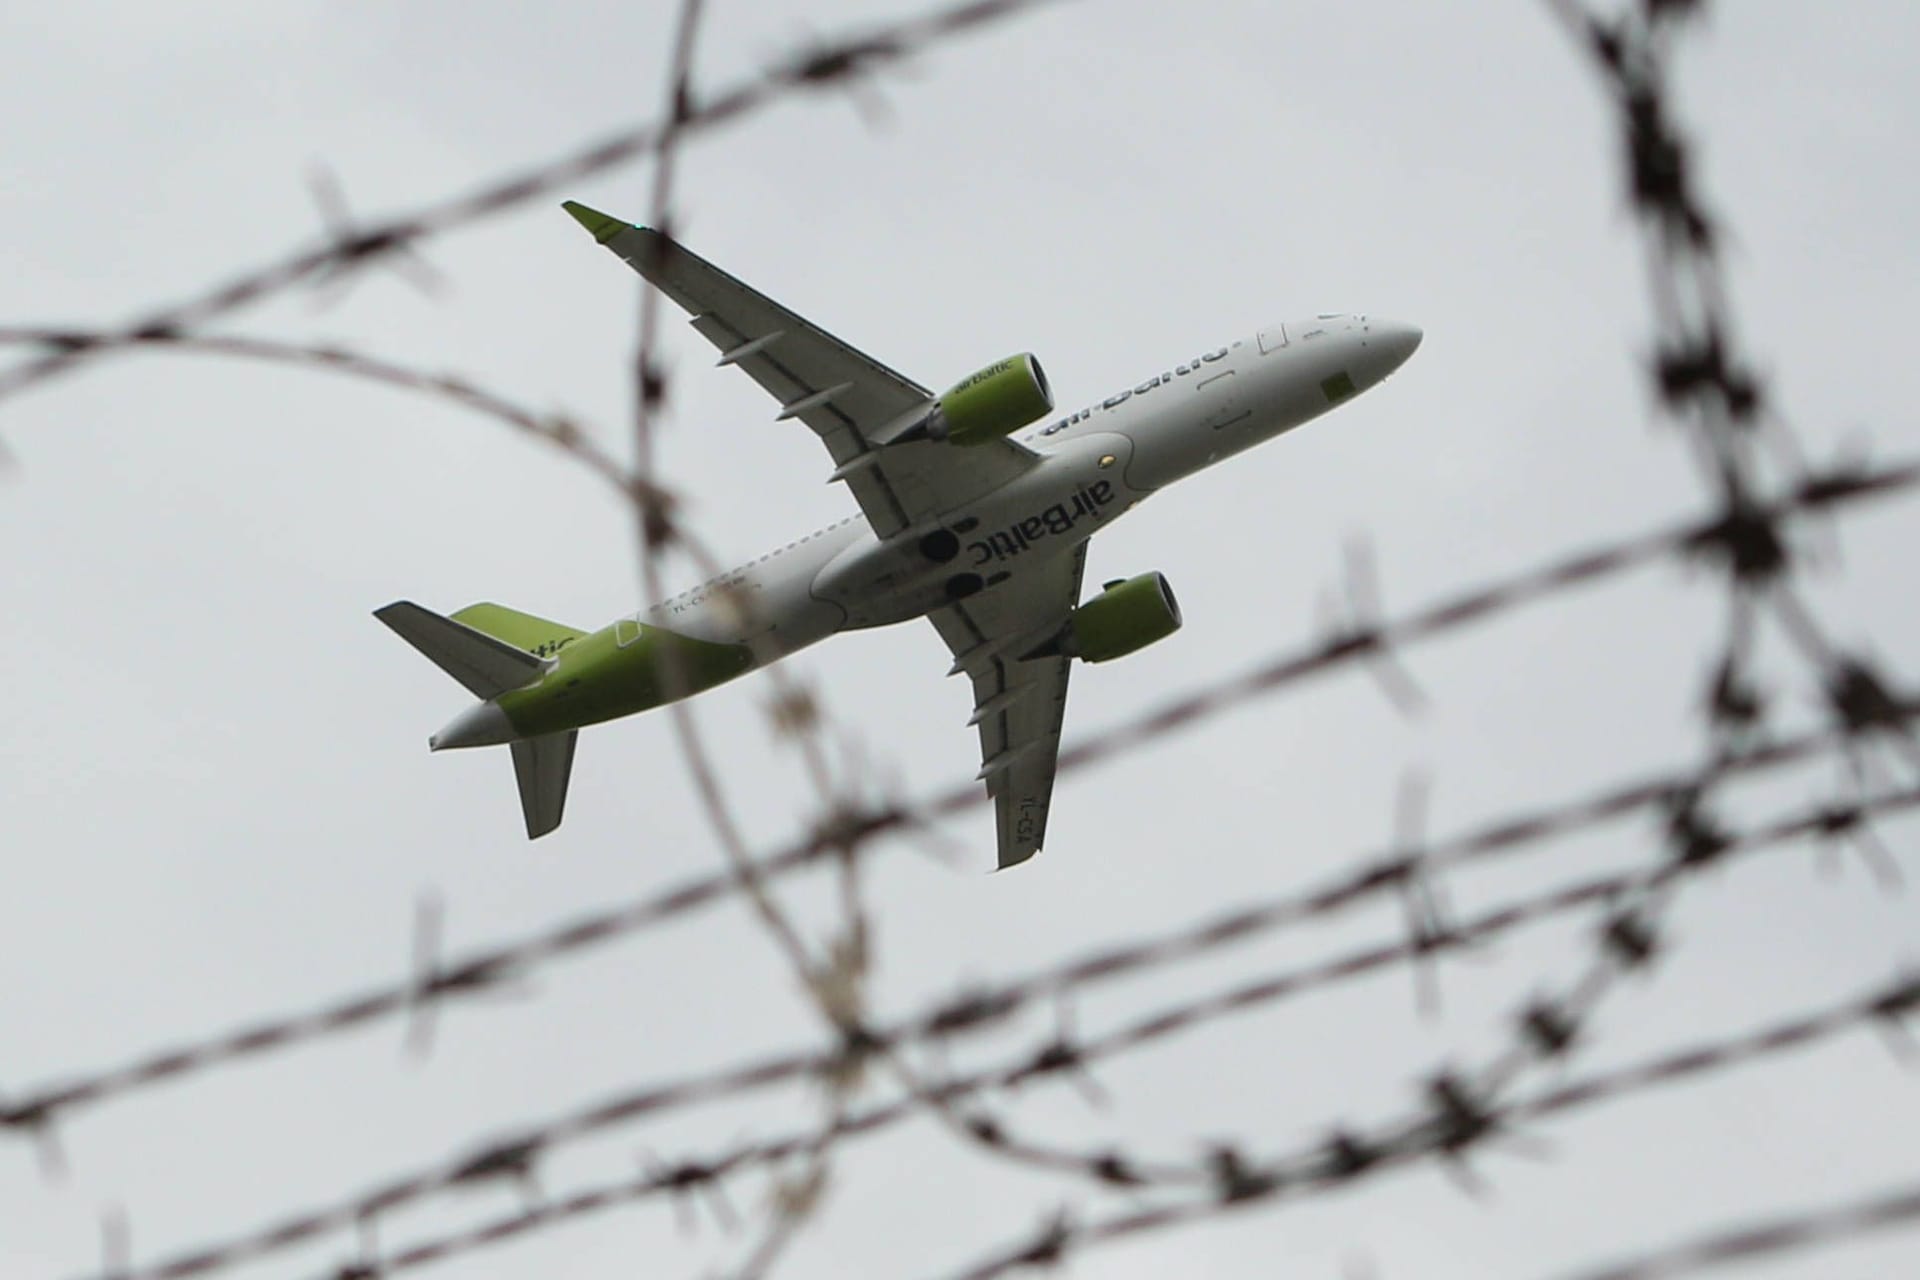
point(998, 400)
point(1124, 617)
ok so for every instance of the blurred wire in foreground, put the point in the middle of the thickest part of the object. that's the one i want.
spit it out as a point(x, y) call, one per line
point(864, 1074)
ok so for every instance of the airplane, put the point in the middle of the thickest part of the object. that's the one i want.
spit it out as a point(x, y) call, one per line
point(974, 513)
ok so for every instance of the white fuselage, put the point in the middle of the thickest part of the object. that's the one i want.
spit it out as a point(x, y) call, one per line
point(1097, 463)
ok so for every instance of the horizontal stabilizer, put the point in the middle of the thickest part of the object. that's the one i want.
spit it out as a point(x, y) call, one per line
point(487, 666)
point(542, 766)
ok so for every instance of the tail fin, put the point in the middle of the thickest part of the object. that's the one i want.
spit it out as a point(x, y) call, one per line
point(490, 649)
point(486, 665)
point(522, 630)
point(542, 766)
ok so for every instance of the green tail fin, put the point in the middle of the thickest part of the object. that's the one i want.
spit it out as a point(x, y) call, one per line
point(521, 630)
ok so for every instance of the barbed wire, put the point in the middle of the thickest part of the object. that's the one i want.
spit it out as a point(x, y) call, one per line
point(1547, 1030)
point(1721, 400)
point(487, 969)
point(1461, 1111)
point(970, 1010)
point(1449, 1125)
point(834, 983)
point(1762, 493)
point(1884, 1006)
point(818, 64)
point(1886, 1211)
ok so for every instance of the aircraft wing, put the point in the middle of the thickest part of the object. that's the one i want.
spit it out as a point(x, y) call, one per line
point(845, 396)
point(1024, 700)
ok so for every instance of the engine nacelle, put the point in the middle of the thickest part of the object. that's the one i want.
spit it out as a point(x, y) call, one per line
point(1124, 617)
point(997, 401)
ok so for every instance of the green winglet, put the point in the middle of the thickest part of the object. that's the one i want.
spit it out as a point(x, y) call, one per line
point(603, 227)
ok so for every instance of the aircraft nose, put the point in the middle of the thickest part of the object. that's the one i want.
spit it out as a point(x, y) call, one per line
point(1394, 340)
point(1383, 346)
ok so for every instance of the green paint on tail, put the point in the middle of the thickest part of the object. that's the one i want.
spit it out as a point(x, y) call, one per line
point(617, 671)
point(521, 630)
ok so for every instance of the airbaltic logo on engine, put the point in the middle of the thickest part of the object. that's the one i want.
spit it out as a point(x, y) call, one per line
point(1058, 518)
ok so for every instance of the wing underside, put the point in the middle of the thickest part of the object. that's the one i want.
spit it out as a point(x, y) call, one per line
point(846, 397)
point(1019, 703)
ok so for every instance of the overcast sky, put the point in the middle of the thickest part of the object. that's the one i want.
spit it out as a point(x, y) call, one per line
point(213, 766)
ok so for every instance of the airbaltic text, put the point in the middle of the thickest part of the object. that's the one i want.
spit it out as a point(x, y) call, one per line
point(1115, 401)
point(1059, 518)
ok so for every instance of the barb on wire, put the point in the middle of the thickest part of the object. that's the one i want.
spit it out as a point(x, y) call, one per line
point(330, 198)
point(1363, 617)
point(1426, 920)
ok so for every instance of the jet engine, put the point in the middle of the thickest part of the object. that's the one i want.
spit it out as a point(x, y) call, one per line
point(1126, 616)
point(997, 401)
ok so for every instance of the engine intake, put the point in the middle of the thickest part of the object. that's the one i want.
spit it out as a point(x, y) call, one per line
point(996, 401)
point(1125, 617)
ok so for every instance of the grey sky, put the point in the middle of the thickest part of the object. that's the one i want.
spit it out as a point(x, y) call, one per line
point(219, 802)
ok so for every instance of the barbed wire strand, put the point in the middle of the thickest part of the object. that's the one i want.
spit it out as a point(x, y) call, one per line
point(818, 64)
point(834, 986)
point(1694, 380)
point(1461, 1114)
point(514, 1154)
point(1884, 1007)
point(1889, 1210)
point(488, 968)
point(564, 431)
point(1762, 490)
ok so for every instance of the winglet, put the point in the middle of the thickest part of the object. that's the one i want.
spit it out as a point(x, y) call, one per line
point(603, 227)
